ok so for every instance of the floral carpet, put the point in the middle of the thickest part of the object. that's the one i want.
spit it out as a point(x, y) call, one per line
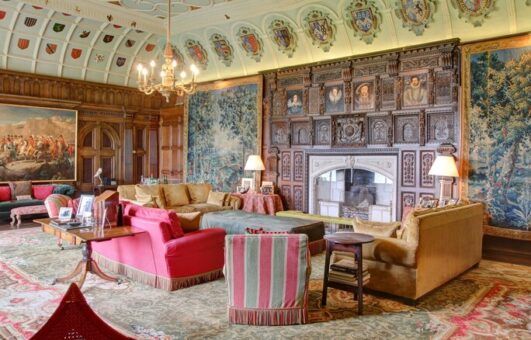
point(491, 301)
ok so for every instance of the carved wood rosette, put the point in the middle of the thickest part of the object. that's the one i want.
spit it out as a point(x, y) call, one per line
point(426, 161)
point(348, 131)
point(408, 162)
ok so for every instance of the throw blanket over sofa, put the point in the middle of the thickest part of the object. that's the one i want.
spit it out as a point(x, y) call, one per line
point(267, 278)
point(163, 256)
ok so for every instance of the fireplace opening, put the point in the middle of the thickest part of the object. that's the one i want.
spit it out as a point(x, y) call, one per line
point(351, 193)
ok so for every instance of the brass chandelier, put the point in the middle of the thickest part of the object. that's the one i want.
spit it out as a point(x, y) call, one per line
point(169, 82)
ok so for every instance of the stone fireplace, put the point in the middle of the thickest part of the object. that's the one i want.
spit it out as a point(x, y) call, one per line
point(353, 185)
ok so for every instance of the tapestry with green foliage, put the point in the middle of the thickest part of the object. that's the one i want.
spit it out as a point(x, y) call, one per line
point(222, 133)
point(499, 143)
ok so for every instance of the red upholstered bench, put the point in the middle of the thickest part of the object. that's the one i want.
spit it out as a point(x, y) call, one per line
point(17, 213)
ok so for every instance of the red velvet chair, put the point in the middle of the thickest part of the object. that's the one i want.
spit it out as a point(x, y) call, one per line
point(74, 319)
point(163, 256)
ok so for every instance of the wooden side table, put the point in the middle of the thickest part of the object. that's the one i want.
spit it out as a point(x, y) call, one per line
point(349, 242)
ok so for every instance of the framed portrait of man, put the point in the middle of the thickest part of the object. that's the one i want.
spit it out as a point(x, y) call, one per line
point(334, 98)
point(364, 95)
point(294, 102)
point(415, 90)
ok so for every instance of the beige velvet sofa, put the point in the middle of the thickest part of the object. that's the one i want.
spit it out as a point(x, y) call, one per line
point(181, 198)
point(433, 247)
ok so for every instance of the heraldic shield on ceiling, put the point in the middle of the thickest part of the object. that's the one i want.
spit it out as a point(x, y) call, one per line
point(251, 43)
point(364, 18)
point(474, 11)
point(321, 29)
point(197, 53)
point(415, 14)
point(223, 48)
point(283, 36)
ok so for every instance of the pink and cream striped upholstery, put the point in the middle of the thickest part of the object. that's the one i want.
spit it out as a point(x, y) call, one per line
point(267, 278)
point(54, 202)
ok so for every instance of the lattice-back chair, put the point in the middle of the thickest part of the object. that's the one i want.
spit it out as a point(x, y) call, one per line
point(267, 277)
point(74, 319)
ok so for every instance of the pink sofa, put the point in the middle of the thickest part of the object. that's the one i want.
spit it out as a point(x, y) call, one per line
point(163, 256)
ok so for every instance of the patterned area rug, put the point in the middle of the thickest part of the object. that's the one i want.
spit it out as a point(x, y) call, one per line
point(493, 300)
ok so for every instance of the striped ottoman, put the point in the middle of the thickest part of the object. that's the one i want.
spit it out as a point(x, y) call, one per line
point(17, 213)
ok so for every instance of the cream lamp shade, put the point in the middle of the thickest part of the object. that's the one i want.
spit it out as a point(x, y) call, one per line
point(444, 166)
point(254, 162)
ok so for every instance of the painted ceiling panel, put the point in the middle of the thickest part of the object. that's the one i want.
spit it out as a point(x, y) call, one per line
point(103, 41)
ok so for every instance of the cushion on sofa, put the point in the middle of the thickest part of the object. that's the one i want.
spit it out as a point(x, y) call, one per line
point(168, 217)
point(175, 194)
point(382, 229)
point(127, 192)
point(190, 221)
point(40, 192)
point(20, 188)
point(5, 193)
point(154, 191)
point(205, 207)
point(199, 192)
point(216, 198)
point(183, 209)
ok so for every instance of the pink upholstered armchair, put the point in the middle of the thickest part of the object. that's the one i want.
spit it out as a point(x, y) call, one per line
point(54, 202)
point(267, 278)
point(163, 256)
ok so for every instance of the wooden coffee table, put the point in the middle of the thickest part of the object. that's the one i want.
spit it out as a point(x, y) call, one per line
point(85, 237)
point(349, 242)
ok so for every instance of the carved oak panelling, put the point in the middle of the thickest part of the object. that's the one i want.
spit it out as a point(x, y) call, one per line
point(364, 94)
point(379, 127)
point(286, 166)
point(426, 195)
point(406, 128)
point(443, 87)
point(286, 194)
point(408, 168)
point(298, 166)
point(298, 198)
point(272, 167)
point(290, 81)
point(388, 93)
point(313, 105)
point(348, 131)
point(366, 70)
point(421, 62)
point(301, 132)
point(426, 160)
point(441, 127)
point(321, 132)
point(407, 199)
point(334, 74)
point(280, 133)
point(278, 103)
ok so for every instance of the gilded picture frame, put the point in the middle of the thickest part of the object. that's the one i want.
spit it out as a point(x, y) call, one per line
point(216, 151)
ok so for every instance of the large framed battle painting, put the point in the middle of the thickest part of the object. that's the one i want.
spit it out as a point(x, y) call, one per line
point(37, 143)
point(496, 131)
point(224, 127)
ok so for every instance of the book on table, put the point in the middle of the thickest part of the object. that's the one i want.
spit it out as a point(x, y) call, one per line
point(345, 271)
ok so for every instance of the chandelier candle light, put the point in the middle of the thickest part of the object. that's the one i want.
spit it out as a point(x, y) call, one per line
point(169, 83)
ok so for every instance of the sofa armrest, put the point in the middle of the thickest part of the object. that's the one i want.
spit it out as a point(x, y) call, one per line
point(158, 231)
point(196, 241)
point(234, 202)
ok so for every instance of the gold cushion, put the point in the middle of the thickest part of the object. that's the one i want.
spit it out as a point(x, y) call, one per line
point(216, 198)
point(410, 228)
point(175, 194)
point(382, 229)
point(155, 191)
point(127, 192)
point(189, 221)
point(199, 192)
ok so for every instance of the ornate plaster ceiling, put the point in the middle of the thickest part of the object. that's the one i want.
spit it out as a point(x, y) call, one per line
point(232, 38)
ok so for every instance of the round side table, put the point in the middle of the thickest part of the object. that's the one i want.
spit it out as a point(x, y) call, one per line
point(348, 242)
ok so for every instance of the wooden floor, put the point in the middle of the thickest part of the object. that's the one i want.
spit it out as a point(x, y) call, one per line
point(494, 248)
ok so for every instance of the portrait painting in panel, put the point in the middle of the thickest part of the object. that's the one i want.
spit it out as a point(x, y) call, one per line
point(334, 98)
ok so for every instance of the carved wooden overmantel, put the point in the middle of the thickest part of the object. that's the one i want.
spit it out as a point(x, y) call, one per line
point(117, 126)
point(404, 101)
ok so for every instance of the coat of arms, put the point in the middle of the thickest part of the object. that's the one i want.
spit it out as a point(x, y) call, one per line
point(23, 43)
point(474, 11)
point(197, 53)
point(251, 43)
point(283, 36)
point(2, 15)
point(120, 61)
point(30, 22)
point(108, 38)
point(51, 48)
point(57, 27)
point(129, 43)
point(415, 14)
point(320, 29)
point(84, 34)
point(178, 56)
point(223, 48)
point(364, 18)
point(76, 53)
point(150, 47)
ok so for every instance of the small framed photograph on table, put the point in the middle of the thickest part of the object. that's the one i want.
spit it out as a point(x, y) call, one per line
point(65, 214)
point(85, 205)
point(247, 183)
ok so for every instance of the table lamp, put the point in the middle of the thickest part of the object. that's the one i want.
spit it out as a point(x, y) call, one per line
point(444, 167)
point(254, 163)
